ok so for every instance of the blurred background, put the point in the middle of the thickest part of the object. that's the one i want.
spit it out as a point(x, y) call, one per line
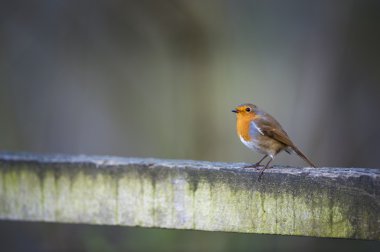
point(159, 79)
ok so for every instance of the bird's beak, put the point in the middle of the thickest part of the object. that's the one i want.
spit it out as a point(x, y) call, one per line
point(235, 111)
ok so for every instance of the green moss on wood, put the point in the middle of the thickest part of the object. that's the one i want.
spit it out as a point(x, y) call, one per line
point(181, 195)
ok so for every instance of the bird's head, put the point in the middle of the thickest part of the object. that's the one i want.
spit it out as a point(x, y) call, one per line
point(246, 110)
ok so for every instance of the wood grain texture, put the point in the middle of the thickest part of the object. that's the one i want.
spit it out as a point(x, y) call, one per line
point(185, 194)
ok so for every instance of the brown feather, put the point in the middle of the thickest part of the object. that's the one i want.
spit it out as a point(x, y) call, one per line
point(270, 137)
point(281, 136)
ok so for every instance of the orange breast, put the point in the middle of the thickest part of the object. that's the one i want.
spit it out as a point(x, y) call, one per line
point(243, 126)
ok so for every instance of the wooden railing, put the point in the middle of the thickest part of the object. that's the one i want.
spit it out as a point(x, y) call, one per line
point(184, 194)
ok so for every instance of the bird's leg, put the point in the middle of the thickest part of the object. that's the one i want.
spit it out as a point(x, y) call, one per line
point(255, 165)
point(265, 167)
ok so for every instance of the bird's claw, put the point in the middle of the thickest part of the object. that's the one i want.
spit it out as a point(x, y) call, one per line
point(262, 172)
point(253, 166)
point(260, 175)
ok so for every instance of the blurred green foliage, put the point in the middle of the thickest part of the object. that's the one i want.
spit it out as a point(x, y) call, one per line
point(69, 237)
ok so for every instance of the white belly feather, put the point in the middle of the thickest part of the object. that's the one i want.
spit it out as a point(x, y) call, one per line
point(252, 145)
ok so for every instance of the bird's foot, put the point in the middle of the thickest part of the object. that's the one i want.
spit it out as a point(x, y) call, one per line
point(253, 166)
point(260, 175)
point(262, 172)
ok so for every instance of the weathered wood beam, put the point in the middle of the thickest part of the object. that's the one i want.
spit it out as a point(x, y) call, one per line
point(183, 194)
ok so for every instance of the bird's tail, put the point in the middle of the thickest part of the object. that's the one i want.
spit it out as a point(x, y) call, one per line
point(299, 153)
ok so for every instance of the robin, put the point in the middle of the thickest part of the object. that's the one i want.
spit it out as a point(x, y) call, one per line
point(260, 132)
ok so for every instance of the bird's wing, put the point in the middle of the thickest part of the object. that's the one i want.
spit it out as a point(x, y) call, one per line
point(277, 133)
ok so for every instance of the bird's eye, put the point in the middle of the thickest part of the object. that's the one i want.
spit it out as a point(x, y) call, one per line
point(248, 109)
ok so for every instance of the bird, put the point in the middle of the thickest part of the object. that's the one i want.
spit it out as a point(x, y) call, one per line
point(261, 132)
